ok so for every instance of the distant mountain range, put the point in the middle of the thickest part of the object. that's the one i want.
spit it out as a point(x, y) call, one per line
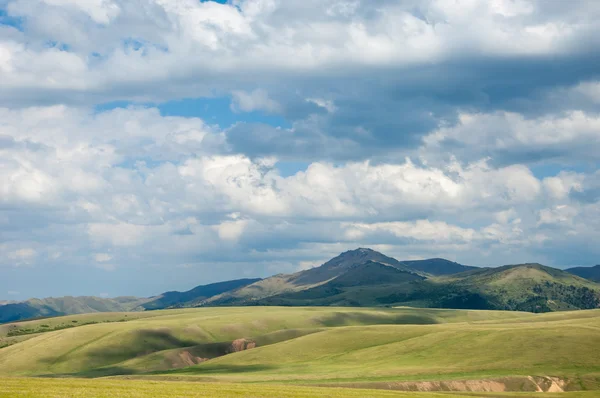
point(591, 273)
point(362, 277)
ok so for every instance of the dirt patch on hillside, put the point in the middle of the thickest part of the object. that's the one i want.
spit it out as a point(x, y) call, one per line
point(506, 384)
point(549, 384)
point(241, 345)
point(186, 358)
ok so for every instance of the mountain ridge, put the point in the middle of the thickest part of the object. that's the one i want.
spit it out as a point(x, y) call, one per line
point(591, 273)
point(360, 277)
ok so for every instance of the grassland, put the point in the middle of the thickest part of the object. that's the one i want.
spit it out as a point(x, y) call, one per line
point(266, 347)
point(60, 388)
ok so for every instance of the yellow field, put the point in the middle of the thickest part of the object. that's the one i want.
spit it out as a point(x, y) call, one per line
point(77, 388)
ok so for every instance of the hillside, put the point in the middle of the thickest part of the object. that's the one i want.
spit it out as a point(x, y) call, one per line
point(192, 297)
point(591, 273)
point(35, 308)
point(524, 287)
point(361, 277)
point(437, 266)
point(360, 285)
point(280, 284)
point(400, 348)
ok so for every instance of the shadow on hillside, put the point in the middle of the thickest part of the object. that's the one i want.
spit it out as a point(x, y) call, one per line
point(136, 344)
point(103, 360)
point(222, 368)
point(94, 373)
point(361, 318)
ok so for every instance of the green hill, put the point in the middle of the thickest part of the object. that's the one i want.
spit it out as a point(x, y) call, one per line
point(591, 273)
point(437, 266)
point(398, 348)
point(524, 287)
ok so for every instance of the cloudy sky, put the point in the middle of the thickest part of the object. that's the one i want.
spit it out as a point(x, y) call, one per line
point(152, 145)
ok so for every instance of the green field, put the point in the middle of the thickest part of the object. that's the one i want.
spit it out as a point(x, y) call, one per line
point(76, 388)
point(259, 349)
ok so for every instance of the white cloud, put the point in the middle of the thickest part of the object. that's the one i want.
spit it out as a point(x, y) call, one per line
point(416, 137)
point(231, 230)
point(564, 183)
point(20, 257)
point(419, 230)
point(120, 234)
point(254, 101)
point(187, 203)
point(205, 45)
point(512, 137)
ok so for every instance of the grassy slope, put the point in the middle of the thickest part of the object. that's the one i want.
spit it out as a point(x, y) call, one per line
point(526, 287)
point(318, 345)
point(110, 348)
point(568, 346)
point(59, 388)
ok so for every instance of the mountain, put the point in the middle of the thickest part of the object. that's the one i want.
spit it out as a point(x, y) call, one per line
point(36, 308)
point(306, 279)
point(591, 273)
point(437, 266)
point(522, 287)
point(359, 285)
point(361, 277)
point(192, 297)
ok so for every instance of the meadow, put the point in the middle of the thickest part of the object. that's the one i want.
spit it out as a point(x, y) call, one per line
point(275, 351)
point(77, 388)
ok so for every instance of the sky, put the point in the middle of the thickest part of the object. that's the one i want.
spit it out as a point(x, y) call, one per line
point(154, 145)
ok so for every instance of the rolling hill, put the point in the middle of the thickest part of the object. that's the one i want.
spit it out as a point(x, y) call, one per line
point(591, 273)
point(391, 348)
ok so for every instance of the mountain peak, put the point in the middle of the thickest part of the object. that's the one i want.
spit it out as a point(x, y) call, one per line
point(360, 255)
point(360, 250)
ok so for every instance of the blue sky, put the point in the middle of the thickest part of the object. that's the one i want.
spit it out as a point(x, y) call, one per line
point(155, 145)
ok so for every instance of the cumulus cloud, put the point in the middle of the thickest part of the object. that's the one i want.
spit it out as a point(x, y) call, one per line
point(510, 138)
point(185, 202)
point(415, 136)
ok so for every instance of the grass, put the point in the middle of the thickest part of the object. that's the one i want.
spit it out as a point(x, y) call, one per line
point(358, 347)
point(59, 388)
